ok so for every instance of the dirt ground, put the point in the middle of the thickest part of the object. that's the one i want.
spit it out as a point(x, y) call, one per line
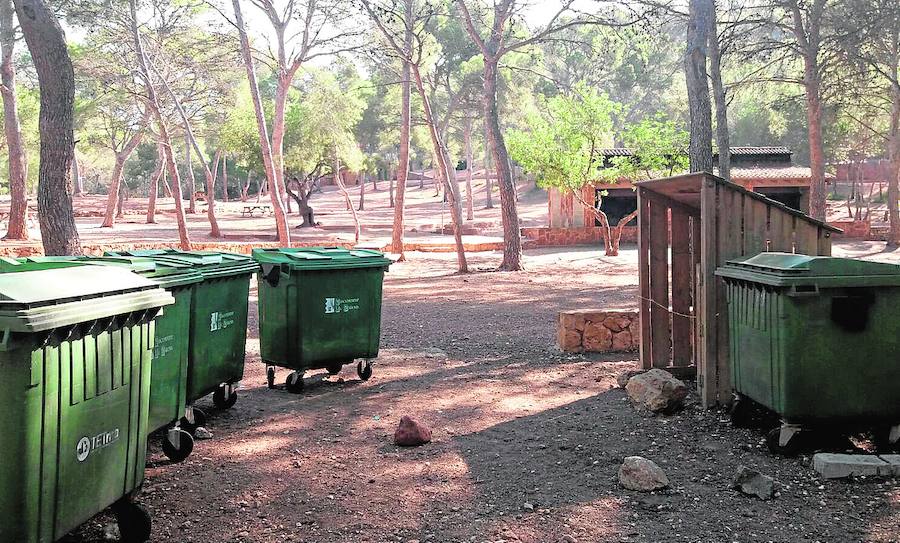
point(527, 440)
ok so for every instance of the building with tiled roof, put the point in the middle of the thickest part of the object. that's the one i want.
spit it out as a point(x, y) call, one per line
point(767, 170)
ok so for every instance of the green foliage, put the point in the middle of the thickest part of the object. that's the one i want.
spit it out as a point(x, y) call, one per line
point(660, 149)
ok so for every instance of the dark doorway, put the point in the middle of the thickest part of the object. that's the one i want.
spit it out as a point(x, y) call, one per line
point(617, 204)
point(788, 196)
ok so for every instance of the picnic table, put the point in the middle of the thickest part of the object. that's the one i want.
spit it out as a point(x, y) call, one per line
point(250, 210)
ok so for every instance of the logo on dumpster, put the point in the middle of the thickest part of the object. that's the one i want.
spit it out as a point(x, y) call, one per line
point(87, 445)
point(341, 305)
point(220, 320)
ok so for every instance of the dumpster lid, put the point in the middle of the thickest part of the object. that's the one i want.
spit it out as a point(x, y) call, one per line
point(787, 269)
point(38, 296)
point(210, 264)
point(166, 274)
point(320, 258)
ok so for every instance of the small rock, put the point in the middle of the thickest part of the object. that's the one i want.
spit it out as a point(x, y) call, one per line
point(202, 433)
point(638, 473)
point(243, 535)
point(657, 391)
point(753, 483)
point(434, 352)
point(528, 506)
point(623, 377)
point(411, 433)
point(111, 532)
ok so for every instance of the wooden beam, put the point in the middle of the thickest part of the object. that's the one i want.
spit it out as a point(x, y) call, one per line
point(682, 272)
point(644, 276)
point(660, 340)
point(707, 374)
point(672, 203)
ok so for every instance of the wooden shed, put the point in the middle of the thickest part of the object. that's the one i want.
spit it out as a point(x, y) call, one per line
point(703, 221)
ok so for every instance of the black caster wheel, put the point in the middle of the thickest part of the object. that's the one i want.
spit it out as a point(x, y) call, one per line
point(134, 522)
point(270, 377)
point(791, 448)
point(881, 438)
point(364, 370)
point(334, 369)
point(199, 420)
point(294, 382)
point(741, 413)
point(177, 452)
point(225, 397)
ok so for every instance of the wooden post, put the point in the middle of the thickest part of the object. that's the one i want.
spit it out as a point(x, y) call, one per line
point(660, 343)
point(824, 242)
point(707, 374)
point(644, 276)
point(681, 288)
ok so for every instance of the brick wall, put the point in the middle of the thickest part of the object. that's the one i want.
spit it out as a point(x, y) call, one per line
point(861, 229)
point(560, 237)
point(588, 330)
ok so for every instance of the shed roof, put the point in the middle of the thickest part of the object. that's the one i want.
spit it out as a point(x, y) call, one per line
point(685, 189)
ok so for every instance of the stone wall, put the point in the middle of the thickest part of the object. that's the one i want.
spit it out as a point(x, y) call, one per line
point(561, 237)
point(861, 229)
point(586, 330)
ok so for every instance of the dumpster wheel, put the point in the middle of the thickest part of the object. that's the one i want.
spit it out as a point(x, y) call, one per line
point(790, 444)
point(133, 520)
point(177, 452)
point(199, 417)
point(334, 369)
point(364, 369)
point(294, 382)
point(225, 396)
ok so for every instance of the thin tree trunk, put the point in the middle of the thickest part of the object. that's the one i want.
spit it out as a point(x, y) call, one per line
point(451, 187)
point(488, 182)
point(391, 193)
point(715, 73)
point(278, 126)
point(894, 166)
point(17, 165)
point(362, 193)
point(281, 222)
point(398, 197)
point(512, 241)
point(211, 196)
point(700, 150)
point(115, 182)
point(340, 185)
point(165, 140)
point(56, 78)
point(467, 135)
point(245, 190)
point(225, 178)
point(120, 207)
point(189, 167)
point(158, 173)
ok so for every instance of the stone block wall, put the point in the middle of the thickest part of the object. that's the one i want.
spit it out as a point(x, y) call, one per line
point(860, 229)
point(594, 331)
point(562, 237)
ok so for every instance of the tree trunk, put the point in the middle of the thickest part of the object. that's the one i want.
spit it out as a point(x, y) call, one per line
point(488, 182)
point(512, 241)
point(17, 167)
point(56, 78)
point(715, 73)
point(281, 95)
point(114, 192)
point(281, 222)
point(225, 178)
point(120, 206)
point(894, 167)
point(340, 185)
point(189, 169)
point(467, 135)
point(211, 196)
point(700, 150)
point(158, 173)
point(362, 193)
point(391, 192)
point(398, 196)
point(77, 181)
point(162, 126)
point(448, 174)
point(245, 190)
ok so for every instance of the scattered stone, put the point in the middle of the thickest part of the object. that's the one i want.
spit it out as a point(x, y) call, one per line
point(753, 483)
point(202, 433)
point(838, 466)
point(623, 377)
point(638, 473)
point(657, 391)
point(434, 352)
point(528, 506)
point(111, 532)
point(411, 432)
point(597, 338)
point(894, 461)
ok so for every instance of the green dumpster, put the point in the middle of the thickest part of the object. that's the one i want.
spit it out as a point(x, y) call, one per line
point(815, 339)
point(168, 381)
point(75, 349)
point(319, 308)
point(218, 324)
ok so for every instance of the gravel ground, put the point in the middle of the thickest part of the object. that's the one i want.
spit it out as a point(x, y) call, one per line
point(527, 440)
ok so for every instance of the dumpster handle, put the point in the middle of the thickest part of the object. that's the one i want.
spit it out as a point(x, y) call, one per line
point(801, 291)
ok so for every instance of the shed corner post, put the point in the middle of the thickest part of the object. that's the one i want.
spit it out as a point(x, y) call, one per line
point(707, 373)
point(644, 277)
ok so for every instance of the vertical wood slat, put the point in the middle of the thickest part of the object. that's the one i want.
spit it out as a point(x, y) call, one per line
point(706, 370)
point(660, 340)
point(781, 233)
point(760, 226)
point(732, 206)
point(644, 277)
point(695, 288)
point(681, 288)
point(806, 238)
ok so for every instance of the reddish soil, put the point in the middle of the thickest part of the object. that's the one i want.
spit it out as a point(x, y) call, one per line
point(527, 440)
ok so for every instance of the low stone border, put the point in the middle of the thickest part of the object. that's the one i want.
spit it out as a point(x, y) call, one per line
point(594, 331)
